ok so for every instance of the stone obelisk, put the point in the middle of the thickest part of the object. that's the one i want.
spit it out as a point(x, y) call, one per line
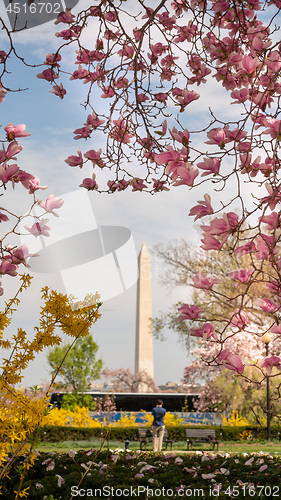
point(144, 337)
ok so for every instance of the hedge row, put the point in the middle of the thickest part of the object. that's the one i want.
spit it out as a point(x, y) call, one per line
point(177, 433)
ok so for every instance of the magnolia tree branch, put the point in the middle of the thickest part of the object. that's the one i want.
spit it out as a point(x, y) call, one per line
point(175, 48)
point(145, 63)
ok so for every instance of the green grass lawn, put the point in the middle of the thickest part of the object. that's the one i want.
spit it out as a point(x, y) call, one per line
point(273, 447)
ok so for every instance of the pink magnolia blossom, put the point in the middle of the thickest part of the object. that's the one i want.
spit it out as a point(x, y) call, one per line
point(211, 165)
point(127, 51)
point(82, 133)
point(174, 160)
point(273, 198)
point(118, 185)
point(234, 135)
point(167, 21)
point(110, 16)
point(158, 49)
point(187, 174)
point(20, 255)
point(34, 185)
point(200, 281)
point(222, 227)
point(58, 90)
point(94, 121)
point(108, 92)
point(7, 172)
point(161, 97)
point(216, 136)
point(120, 131)
point(250, 64)
point(242, 275)
point(186, 98)
point(3, 218)
point(23, 177)
point(244, 146)
point(273, 61)
point(13, 131)
point(6, 267)
point(159, 185)
point(73, 32)
point(231, 361)
point(142, 98)
point(79, 74)
point(204, 208)
point(239, 319)
point(209, 242)
point(137, 34)
point(48, 74)
point(240, 95)
point(52, 59)
point(94, 156)
point(123, 184)
point(206, 331)
point(265, 247)
point(89, 183)
point(277, 330)
point(270, 362)
point(121, 83)
point(39, 228)
point(138, 184)
point(3, 92)
point(65, 17)
point(168, 61)
point(1, 289)
point(179, 136)
point(274, 128)
point(75, 161)
point(248, 248)
point(189, 312)
point(267, 305)
point(51, 203)
point(184, 32)
point(12, 150)
point(3, 56)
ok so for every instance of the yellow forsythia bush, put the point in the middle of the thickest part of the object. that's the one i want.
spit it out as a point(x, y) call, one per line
point(235, 420)
point(80, 417)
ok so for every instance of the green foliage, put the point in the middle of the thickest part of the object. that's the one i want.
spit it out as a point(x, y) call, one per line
point(55, 434)
point(245, 396)
point(80, 366)
point(70, 401)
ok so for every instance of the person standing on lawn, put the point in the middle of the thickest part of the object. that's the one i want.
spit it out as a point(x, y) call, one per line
point(158, 425)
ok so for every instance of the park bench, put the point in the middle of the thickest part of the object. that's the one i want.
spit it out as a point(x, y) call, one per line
point(201, 436)
point(145, 436)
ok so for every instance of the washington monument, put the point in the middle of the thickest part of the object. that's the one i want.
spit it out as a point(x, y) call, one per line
point(144, 337)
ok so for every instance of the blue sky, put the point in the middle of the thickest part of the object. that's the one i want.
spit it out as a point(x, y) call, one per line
point(151, 219)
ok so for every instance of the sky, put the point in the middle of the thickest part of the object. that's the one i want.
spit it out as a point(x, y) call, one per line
point(134, 218)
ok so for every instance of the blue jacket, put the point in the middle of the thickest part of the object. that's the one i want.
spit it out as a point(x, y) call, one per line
point(158, 413)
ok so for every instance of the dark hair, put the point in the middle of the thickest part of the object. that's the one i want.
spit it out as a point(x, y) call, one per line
point(159, 402)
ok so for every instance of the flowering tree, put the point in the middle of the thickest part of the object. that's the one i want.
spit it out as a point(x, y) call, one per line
point(123, 380)
point(221, 391)
point(145, 61)
point(186, 266)
point(22, 413)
